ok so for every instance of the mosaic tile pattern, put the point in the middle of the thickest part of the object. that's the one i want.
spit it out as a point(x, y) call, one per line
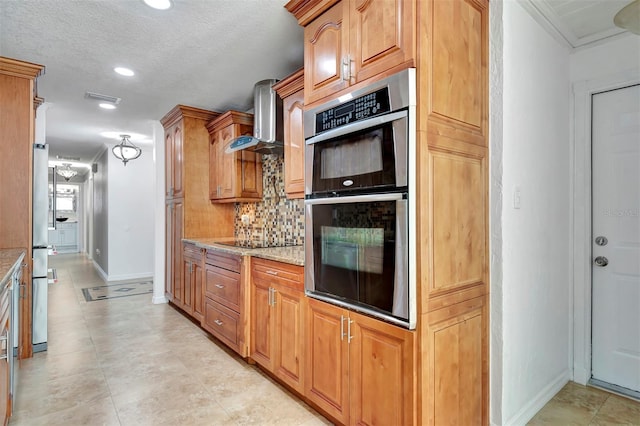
point(276, 219)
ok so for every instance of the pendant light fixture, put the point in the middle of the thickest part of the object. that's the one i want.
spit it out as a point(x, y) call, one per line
point(126, 150)
point(629, 17)
point(66, 171)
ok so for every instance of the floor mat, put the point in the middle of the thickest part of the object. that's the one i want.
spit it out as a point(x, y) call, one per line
point(113, 291)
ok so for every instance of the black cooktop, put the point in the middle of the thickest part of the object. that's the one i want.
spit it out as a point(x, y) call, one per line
point(253, 244)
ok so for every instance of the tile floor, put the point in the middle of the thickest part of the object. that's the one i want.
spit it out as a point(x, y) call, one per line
point(126, 361)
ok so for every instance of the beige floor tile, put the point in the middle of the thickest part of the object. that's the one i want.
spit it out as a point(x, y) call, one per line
point(99, 412)
point(618, 411)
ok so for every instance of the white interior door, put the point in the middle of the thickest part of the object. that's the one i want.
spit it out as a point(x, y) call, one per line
point(616, 257)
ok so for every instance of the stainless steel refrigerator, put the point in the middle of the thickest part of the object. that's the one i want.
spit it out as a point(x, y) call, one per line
point(40, 245)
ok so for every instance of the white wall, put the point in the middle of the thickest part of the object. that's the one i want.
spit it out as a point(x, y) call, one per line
point(131, 216)
point(606, 59)
point(531, 344)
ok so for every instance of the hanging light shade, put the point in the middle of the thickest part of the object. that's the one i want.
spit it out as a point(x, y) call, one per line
point(126, 150)
point(66, 171)
point(629, 17)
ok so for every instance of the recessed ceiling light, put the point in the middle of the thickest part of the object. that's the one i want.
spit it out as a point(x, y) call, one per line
point(124, 71)
point(159, 4)
point(107, 106)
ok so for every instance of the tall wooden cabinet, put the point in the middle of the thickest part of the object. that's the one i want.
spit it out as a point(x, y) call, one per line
point(17, 122)
point(291, 90)
point(237, 176)
point(353, 42)
point(189, 214)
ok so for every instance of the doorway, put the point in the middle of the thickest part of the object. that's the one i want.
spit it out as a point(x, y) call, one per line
point(615, 143)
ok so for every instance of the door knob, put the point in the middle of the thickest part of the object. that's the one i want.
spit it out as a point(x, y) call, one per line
point(601, 261)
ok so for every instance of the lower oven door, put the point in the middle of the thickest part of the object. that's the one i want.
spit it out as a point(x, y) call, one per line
point(357, 254)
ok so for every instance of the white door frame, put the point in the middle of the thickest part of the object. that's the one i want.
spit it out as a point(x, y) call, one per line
point(580, 348)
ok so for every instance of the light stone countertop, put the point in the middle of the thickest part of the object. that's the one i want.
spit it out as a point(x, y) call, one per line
point(292, 254)
point(9, 258)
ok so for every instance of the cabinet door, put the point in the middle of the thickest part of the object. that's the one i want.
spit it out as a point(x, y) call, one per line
point(293, 145)
point(168, 163)
point(215, 163)
point(178, 189)
point(227, 169)
point(197, 277)
point(168, 248)
point(327, 359)
point(382, 36)
point(289, 308)
point(326, 42)
point(380, 372)
point(262, 324)
point(176, 246)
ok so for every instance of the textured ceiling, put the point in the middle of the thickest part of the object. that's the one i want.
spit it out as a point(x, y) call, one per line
point(202, 53)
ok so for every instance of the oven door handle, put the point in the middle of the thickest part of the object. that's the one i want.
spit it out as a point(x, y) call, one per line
point(357, 126)
point(394, 196)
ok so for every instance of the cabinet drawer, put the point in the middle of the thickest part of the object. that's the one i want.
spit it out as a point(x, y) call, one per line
point(278, 273)
point(223, 286)
point(192, 251)
point(222, 323)
point(224, 260)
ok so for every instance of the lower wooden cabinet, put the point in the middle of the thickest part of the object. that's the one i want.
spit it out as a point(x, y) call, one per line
point(190, 293)
point(278, 304)
point(358, 370)
point(225, 315)
point(5, 355)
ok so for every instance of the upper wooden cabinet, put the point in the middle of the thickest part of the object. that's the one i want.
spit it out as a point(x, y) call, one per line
point(290, 89)
point(351, 41)
point(235, 177)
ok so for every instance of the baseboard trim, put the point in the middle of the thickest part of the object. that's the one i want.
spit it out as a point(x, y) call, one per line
point(158, 300)
point(100, 271)
point(147, 276)
point(527, 412)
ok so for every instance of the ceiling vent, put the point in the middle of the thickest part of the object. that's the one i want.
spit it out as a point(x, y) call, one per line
point(102, 98)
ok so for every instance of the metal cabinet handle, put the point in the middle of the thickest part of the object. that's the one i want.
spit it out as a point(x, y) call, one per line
point(341, 327)
point(346, 68)
point(349, 336)
point(218, 322)
point(601, 261)
point(270, 272)
point(219, 286)
point(273, 296)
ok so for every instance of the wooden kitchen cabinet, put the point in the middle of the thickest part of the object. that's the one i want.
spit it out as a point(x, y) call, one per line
point(278, 304)
point(359, 370)
point(291, 90)
point(189, 214)
point(192, 283)
point(234, 177)
point(353, 41)
point(225, 315)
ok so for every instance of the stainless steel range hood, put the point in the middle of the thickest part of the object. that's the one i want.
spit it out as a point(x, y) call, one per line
point(267, 122)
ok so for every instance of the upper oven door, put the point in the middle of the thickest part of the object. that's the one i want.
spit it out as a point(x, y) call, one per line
point(366, 155)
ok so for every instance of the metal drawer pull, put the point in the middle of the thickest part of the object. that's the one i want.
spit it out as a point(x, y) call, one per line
point(341, 327)
point(272, 272)
point(349, 330)
point(218, 322)
point(219, 286)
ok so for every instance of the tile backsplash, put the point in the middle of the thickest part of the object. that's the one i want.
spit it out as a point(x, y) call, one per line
point(276, 219)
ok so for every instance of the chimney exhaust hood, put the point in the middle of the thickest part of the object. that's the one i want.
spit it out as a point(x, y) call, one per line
point(267, 122)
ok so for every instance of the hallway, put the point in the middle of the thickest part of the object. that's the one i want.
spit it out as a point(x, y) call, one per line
point(125, 361)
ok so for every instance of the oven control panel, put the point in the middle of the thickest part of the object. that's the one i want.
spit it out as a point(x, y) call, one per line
point(361, 108)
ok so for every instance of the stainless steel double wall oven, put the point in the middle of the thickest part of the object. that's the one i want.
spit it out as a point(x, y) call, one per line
point(359, 195)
